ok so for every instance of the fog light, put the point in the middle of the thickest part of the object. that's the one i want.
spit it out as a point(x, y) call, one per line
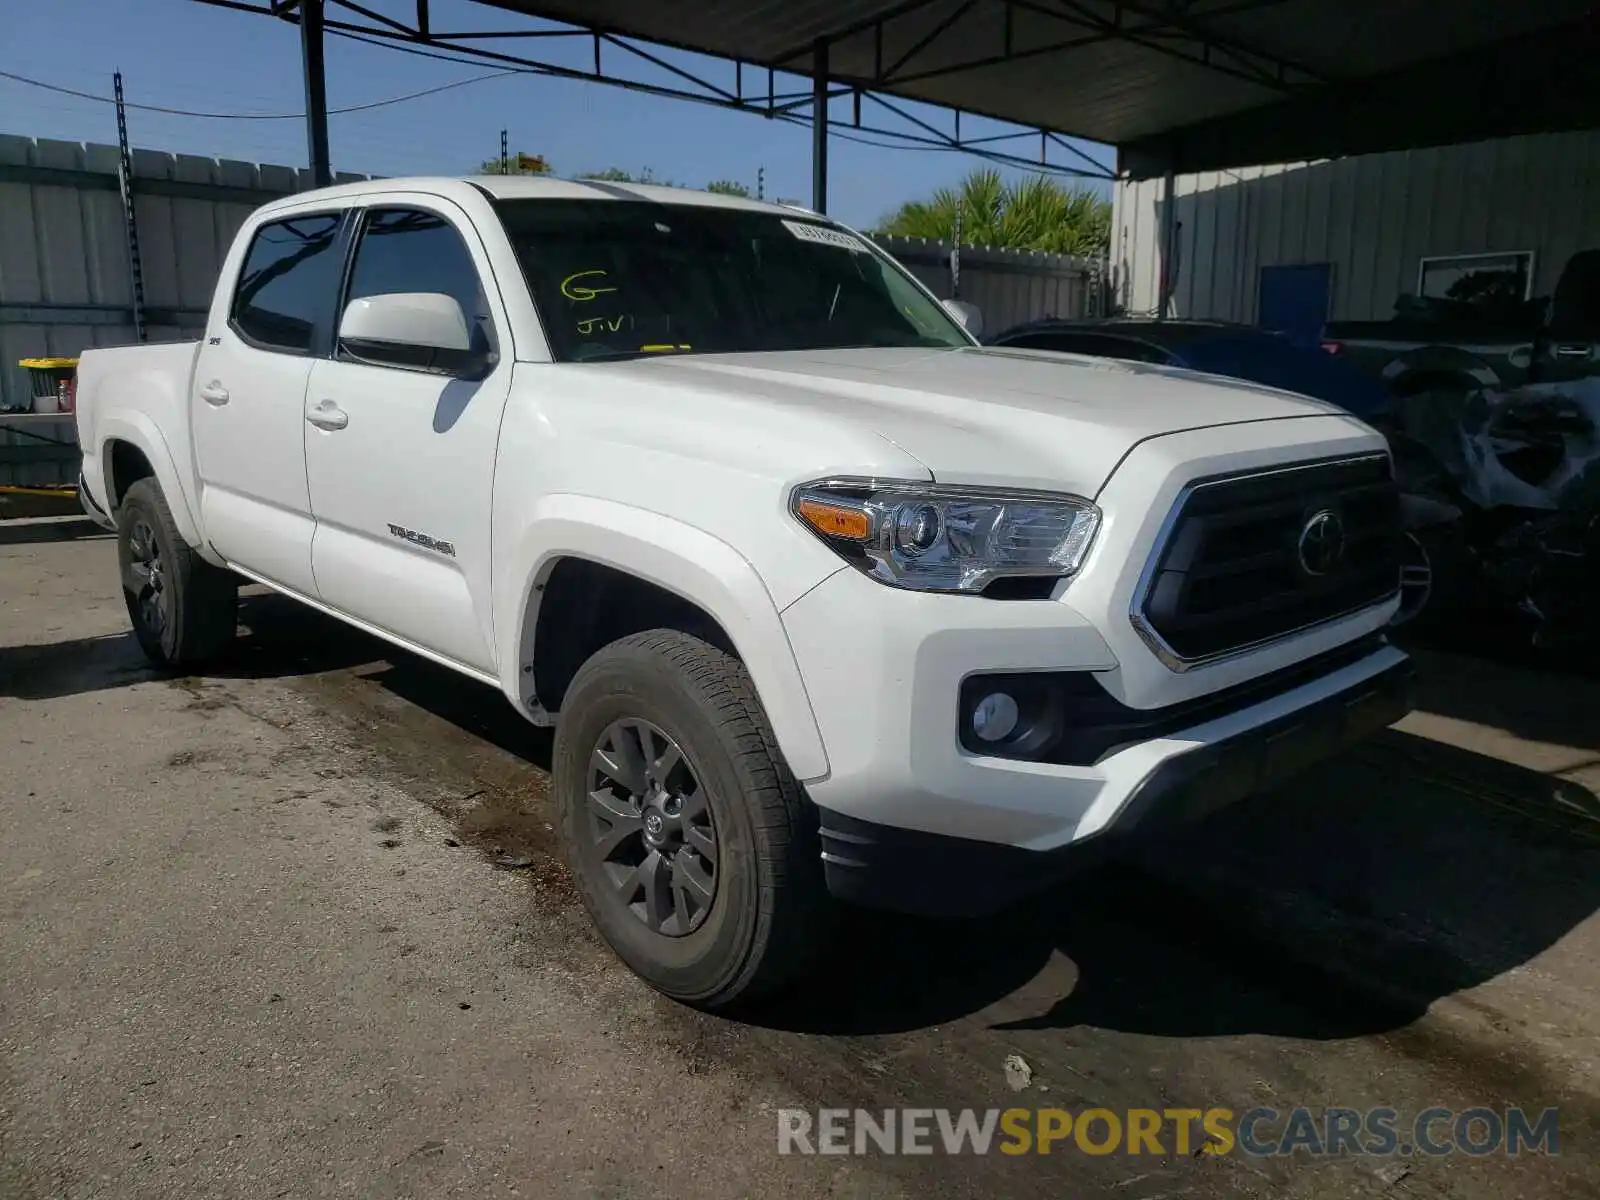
point(994, 717)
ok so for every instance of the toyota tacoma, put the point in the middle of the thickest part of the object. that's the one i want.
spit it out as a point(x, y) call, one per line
point(825, 600)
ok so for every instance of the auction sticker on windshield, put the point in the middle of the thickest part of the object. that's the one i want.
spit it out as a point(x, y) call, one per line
point(824, 236)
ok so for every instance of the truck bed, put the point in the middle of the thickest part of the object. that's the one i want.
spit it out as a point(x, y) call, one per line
point(124, 386)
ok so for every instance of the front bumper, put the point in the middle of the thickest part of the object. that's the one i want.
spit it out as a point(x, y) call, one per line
point(909, 870)
point(904, 801)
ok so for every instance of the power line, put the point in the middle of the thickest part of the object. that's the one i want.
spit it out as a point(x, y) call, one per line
point(1001, 159)
point(295, 116)
point(1014, 161)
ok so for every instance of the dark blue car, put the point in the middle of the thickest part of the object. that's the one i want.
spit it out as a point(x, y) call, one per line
point(1240, 351)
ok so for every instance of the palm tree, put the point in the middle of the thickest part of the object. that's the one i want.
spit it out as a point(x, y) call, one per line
point(1033, 213)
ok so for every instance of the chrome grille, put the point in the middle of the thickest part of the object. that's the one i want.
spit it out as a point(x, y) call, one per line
point(1251, 558)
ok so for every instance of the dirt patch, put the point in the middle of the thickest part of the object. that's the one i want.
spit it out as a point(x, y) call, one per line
point(191, 758)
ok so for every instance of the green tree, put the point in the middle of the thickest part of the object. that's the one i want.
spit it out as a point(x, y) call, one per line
point(618, 175)
point(1033, 213)
point(518, 164)
point(728, 187)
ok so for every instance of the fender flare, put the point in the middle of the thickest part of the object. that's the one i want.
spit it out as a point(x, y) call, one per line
point(1441, 360)
point(682, 559)
point(141, 432)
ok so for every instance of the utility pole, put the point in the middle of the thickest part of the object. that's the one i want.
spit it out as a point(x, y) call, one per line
point(955, 252)
point(505, 157)
point(130, 220)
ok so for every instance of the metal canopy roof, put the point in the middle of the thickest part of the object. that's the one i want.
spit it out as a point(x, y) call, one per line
point(1175, 84)
point(1180, 83)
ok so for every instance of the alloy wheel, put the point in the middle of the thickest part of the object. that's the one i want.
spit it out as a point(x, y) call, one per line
point(652, 835)
point(145, 577)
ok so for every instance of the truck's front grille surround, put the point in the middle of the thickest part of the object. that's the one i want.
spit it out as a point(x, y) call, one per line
point(1227, 575)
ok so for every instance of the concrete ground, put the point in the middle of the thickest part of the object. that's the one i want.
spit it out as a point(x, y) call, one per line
point(296, 928)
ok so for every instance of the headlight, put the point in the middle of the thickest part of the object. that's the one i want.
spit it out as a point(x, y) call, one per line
point(947, 539)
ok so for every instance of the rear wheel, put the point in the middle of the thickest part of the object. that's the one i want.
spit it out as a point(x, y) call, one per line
point(693, 847)
point(183, 609)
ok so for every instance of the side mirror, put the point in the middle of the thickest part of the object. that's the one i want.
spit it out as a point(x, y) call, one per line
point(968, 315)
point(425, 330)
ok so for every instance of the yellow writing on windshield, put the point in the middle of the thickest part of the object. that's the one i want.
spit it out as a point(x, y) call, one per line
point(602, 324)
point(579, 291)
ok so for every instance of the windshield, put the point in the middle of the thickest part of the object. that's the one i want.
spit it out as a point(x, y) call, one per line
point(622, 278)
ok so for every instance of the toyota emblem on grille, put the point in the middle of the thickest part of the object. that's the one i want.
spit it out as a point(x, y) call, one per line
point(1321, 543)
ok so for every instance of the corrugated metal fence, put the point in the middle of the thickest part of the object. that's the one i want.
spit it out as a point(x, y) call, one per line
point(1008, 286)
point(64, 279)
point(1373, 217)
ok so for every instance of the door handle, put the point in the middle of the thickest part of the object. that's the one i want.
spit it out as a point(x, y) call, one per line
point(1577, 351)
point(328, 415)
point(214, 394)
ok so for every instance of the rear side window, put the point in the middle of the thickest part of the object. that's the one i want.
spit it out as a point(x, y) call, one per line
point(407, 250)
point(290, 276)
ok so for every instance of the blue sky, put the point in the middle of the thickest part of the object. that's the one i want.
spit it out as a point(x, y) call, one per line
point(177, 53)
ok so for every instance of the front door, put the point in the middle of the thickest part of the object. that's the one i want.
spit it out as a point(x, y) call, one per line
point(401, 460)
point(249, 394)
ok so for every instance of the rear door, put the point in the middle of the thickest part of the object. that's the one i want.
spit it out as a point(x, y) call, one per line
point(249, 393)
point(401, 479)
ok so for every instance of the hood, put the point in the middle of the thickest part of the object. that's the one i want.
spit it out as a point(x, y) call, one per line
point(985, 416)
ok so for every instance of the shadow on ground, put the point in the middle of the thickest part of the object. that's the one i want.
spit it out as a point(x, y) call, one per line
point(280, 638)
point(16, 533)
point(1342, 905)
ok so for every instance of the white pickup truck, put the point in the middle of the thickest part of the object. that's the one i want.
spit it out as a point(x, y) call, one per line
point(825, 600)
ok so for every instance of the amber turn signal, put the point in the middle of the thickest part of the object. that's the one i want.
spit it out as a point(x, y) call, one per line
point(835, 520)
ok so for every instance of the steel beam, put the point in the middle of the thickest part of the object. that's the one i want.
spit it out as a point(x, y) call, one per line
point(431, 42)
point(819, 126)
point(311, 65)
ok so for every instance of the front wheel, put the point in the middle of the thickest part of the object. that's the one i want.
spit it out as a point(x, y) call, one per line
point(183, 609)
point(694, 849)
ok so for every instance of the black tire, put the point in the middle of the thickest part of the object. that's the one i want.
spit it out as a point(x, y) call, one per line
point(184, 610)
point(769, 914)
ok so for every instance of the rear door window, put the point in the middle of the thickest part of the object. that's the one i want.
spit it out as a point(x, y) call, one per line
point(289, 283)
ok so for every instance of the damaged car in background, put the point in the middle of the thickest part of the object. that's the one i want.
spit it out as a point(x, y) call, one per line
point(1491, 405)
point(1496, 415)
point(1520, 471)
